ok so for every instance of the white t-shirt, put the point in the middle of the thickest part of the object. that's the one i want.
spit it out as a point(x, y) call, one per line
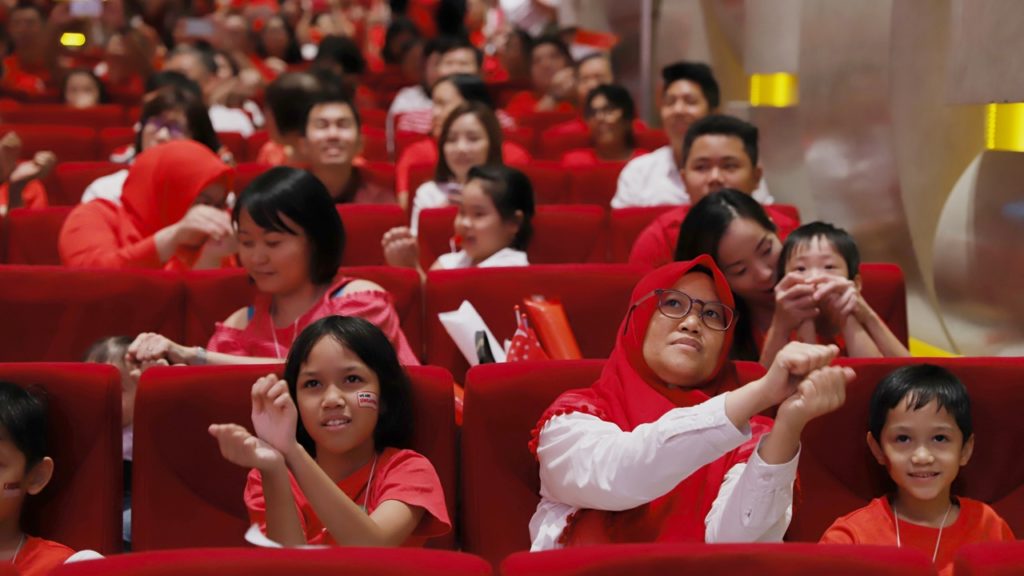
point(226, 119)
point(501, 258)
point(107, 187)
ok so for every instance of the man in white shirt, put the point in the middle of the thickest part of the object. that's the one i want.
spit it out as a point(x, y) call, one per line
point(689, 93)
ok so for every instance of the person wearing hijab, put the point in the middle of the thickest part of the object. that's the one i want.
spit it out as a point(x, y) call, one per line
point(666, 446)
point(171, 215)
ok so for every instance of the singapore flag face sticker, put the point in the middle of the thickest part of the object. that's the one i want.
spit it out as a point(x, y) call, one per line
point(367, 400)
point(11, 490)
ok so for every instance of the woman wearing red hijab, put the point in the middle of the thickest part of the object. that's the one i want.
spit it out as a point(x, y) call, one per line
point(171, 215)
point(665, 447)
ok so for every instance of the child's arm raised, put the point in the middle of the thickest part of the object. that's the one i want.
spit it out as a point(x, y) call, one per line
point(887, 343)
point(794, 304)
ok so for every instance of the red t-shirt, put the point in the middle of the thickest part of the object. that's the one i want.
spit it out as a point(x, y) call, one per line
point(875, 524)
point(38, 557)
point(656, 245)
point(401, 475)
point(425, 153)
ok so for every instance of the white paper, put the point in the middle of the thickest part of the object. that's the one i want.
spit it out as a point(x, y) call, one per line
point(462, 325)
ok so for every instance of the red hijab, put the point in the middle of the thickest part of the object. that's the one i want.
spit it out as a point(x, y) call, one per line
point(628, 394)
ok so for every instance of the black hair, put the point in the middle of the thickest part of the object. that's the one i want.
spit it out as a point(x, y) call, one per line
point(461, 43)
point(840, 239)
point(483, 113)
point(333, 89)
point(289, 98)
point(560, 46)
point(292, 54)
point(471, 87)
point(173, 78)
point(104, 96)
point(722, 125)
point(511, 192)
point(108, 350)
point(617, 97)
point(697, 72)
point(23, 421)
point(368, 342)
point(171, 98)
point(203, 51)
point(342, 51)
point(919, 384)
point(398, 27)
point(297, 194)
point(701, 232)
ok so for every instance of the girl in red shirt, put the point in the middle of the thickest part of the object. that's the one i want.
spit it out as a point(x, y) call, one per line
point(328, 462)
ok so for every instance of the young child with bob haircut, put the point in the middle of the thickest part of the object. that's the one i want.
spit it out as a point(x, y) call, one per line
point(328, 455)
point(825, 259)
point(920, 430)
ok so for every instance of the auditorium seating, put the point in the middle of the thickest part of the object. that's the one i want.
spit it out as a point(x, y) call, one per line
point(838, 474)
point(265, 562)
point(32, 235)
point(551, 183)
point(81, 506)
point(625, 225)
point(365, 225)
point(595, 297)
point(721, 560)
point(596, 185)
point(72, 178)
point(178, 465)
point(96, 117)
point(990, 559)
point(69, 143)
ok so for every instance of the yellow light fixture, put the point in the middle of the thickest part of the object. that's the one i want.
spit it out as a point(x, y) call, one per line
point(778, 90)
point(72, 39)
point(1004, 126)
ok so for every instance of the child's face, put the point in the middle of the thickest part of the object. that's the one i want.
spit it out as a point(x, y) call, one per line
point(923, 450)
point(817, 258)
point(338, 397)
point(480, 225)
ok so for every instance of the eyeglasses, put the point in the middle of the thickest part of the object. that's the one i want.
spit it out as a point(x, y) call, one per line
point(677, 305)
point(173, 128)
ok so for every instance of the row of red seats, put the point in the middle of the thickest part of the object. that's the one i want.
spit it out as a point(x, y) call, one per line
point(54, 314)
point(178, 468)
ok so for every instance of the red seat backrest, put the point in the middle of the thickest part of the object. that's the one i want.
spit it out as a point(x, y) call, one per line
point(113, 138)
point(523, 136)
point(595, 297)
point(884, 289)
point(374, 117)
point(53, 314)
point(552, 184)
point(651, 139)
point(72, 178)
point(838, 473)
point(69, 143)
point(246, 172)
point(554, 146)
point(375, 144)
point(234, 142)
point(722, 559)
point(81, 506)
point(404, 139)
point(103, 116)
point(626, 224)
point(596, 185)
point(990, 559)
point(253, 144)
point(211, 296)
point(365, 225)
point(178, 466)
point(262, 562)
point(541, 121)
point(418, 174)
point(32, 235)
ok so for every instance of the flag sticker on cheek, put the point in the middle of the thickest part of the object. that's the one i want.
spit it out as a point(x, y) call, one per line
point(367, 400)
point(12, 489)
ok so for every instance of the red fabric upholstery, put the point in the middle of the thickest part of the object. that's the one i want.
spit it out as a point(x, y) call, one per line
point(246, 172)
point(418, 174)
point(596, 185)
point(883, 287)
point(257, 562)
point(81, 506)
point(234, 142)
point(3, 239)
point(211, 296)
point(553, 146)
point(990, 559)
point(721, 559)
point(67, 142)
point(380, 173)
point(522, 136)
point(551, 183)
point(72, 178)
point(374, 117)
point(541, 121)
point(404, 139)
point(595, 297)
point(375, 144)
point(114, 138)
point(626, 224)
point(54, 314)
point(365, 225)
point(839, 475)
point(97, 117)
point(650, 139)
point(179, 467)
point(253, 144)
point(32, 235)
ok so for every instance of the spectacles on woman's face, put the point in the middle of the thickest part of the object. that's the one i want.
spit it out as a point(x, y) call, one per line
point(175, 129)
point(675, 304)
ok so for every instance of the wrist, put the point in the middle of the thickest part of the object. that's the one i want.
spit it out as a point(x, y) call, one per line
point(197, 356)
point(292, 452)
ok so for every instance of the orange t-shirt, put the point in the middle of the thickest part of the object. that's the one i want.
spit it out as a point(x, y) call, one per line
point(33, 195)
point(38, 557)
point(875, 524)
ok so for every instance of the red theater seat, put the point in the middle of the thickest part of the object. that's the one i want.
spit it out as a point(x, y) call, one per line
point(263, 562)
point(554, 146)
point(178, 467)
point(884, 289)
point(375, 144)
point(253, 144)
point(32, 235)
point(365, 225)
point(721, 560)
point(626, 224)
point(211, 296)
point(651, 139)
point(596, 185)
point(234, 142)
point(113, 138)
point(595, 297)
point(69, 143)
point(838, 473)
point(103, 116)
point(72, 178)
point(551, 183)
point(246, 172)
point(990, 559)
point(53, 314)
point(81, 506)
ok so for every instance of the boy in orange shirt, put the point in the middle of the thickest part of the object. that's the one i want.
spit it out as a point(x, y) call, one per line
point(920, 430)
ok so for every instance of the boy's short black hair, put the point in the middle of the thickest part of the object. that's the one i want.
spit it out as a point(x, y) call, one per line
point(919, 384)
point(333, 90)
point(697, 72)
point(722, 125)
point(454, 43)
point(23, 421)
point(341, 51)
point(289, 98)
point(840, 239)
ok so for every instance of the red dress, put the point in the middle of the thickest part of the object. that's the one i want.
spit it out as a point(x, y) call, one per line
point(162, 185)
point(401, 475)
point(38, 557)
